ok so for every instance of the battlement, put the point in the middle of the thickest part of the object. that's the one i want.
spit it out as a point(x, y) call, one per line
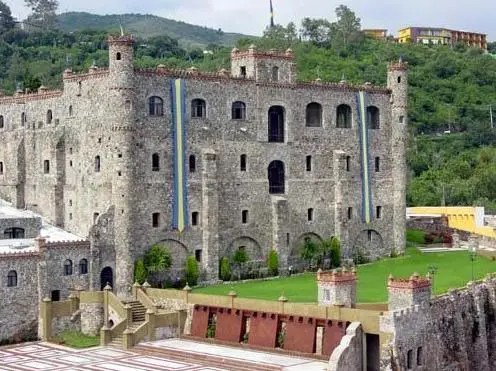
point(255, 54)
point(398, 66)
point(120, 40)
point(336, 277)
point(337, 287)
point(94, 72)
point(412, 283)
point(408, 292)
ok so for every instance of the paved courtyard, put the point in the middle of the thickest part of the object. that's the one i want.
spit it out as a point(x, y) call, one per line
point(171, 354)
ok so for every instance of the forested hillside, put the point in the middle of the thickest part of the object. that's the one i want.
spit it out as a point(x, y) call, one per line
point(451, 89)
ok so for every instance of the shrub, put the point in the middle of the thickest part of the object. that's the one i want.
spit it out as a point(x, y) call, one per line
point(359, 257)
point(191, 271)
point(157, 260)
point(273, 262)
point(335, 252)
point(140, 275)
point(225, 269)
point(416, 236)
point(310, 250)
point(240, 256)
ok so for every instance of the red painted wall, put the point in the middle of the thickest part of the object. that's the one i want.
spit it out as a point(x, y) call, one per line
point(229, 323)
point(300, 336)
point(199, 323)
point(263, 329)
point(333, 332)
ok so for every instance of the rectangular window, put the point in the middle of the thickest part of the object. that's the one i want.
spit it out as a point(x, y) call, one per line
point(1, 167)
point(348, 163)
point(242, 163)
point(350, 213)
point(310, 215)
point(194, 218)
point(55, 295)
point(155, 220)
point(198, 255)
point(378, 212)
point(244, 216)
point(377, 164)
point(369, 235)
point(242, 71)
point(309, 163)
point(327, 295)
point(95, 216)
point(46, 166)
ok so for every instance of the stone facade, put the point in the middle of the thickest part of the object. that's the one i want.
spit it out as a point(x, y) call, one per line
point(405, 293)
point(83, 157)
point(337, 288)
point(349, 354)
point(91, 318)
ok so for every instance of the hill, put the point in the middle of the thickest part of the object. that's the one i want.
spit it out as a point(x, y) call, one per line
point(145, 26)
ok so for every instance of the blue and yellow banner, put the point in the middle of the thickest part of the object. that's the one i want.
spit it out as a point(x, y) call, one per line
point(178, 108)
point(362, 103)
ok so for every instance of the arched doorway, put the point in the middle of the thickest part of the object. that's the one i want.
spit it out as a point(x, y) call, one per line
point(276, 177)
point(106, 277)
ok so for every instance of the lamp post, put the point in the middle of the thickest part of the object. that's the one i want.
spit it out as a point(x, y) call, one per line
point(432, 269)
point(472, 253)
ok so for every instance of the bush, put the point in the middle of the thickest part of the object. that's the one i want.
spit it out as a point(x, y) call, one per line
point(416, 236)
point(240, 256)
point(359, 257)
point(157, 261)
point(140, 275)
point(225, 269)
point(273, 262)
point(310, 251)
point(191, 271)
point(335, 252)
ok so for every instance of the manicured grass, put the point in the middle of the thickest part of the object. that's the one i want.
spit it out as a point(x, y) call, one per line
point(77, 339)
point(454, 270)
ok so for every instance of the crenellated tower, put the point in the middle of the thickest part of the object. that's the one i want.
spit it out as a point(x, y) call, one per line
point(398, 83)
point(122, 129)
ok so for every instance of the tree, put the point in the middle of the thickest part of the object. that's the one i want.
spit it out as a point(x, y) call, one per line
point(31, 83)
point(157, 261)
point(44, 12)
point(332, 248)
point(315, 30)
point(191, 271)
point(140, 275)
point(310, 250)
point(225, 270)
point(347, 29)
point(273, 262)
point(240, 256)
point(6, 19)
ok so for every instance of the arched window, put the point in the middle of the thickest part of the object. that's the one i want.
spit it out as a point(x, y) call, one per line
point(118, 56)
point(155, 162)
point(276, 124)
point(198, 108)
point(420, 356)
point(49, 117)
point(83, 266)
point(238, 111)
point(155, 106)
point(409, 359)
point(12, 279)
point(68, 268)
point(70, 110)
point(97, 164)
point(314, 115)
point(1, 167)
point(343, 116)
point(275, 73)
point(276, 177)
point(242, 163)
point(1, 122)
point(309, 163)
point(373, 118)
point(23, 118)
point(192, 163)
point(11, 233)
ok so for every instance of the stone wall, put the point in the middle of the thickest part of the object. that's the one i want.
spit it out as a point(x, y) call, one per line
point(456, 331)
point(348, 356)
point(91, 318)
point(31, 226)
point(66, 323)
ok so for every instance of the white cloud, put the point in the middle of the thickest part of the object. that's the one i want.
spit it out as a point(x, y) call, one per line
point(252, 17)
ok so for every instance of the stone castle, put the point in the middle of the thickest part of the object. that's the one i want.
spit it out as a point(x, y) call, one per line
point(269, 161)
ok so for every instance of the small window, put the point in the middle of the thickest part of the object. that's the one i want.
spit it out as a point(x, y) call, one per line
point(409, 357)
point(1, 122)
point(238, 111)
point(198, 108)
point(192, 163)
point(399, 79)
point(70, 150)
point(327, 294)
point(401, 119)
point(377, 164)
point(348, 163)
point(309, 163)
point(155, 106)
point(378, 212)
point(12, 279)
point(70, 216)
point(23, 119)
point(244, 216)
point(310, 215)
point(155, 162)
point(97, 164)
point(49, 117)
point(13, 233)
point(70, 110)
point(420, 356)
point(155, 220)
point(242, 163)
point(70, 202)
point(194, 218)
point(83, 266)
point(127, 105)
point(118, 56)
point(242, 71)
point(70, 163)
point(68, 268)
point(46, 166)
point(95, 217)
point(275, 73)
point(198, 255)
point(350, 213)
point(369, 235)
point(288, 239)
point(1, 167)
point(55, 295)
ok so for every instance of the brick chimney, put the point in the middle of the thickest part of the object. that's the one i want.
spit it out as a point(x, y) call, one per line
point(337, 287)
point(405, 293)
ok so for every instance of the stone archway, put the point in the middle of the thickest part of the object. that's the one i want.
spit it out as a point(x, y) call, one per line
point(178, 250)
point(369, 245)
point(249, 244)
point(294, 258)
point(106, 277)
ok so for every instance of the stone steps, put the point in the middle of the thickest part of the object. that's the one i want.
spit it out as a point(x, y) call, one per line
point(206, 359)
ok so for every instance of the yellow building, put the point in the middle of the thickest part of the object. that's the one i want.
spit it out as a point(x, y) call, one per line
point(434, 35)
point(376, 33)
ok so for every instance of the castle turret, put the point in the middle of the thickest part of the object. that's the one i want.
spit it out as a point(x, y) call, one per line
point(336, 288)
point(398, 83)
point(121, 60)
point(405, 293)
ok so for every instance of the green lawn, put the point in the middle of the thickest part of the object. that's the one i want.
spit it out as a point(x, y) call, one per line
point(77, 339)
point(454, 270)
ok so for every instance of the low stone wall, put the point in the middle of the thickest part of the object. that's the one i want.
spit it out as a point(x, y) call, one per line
point(66, 323)
point(91, 318)
point(348, 356)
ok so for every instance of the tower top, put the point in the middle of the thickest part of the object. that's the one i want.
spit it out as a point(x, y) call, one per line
point(398, 66)
point(120, 40)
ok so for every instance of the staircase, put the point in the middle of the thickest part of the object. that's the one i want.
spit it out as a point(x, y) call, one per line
point(138, 315)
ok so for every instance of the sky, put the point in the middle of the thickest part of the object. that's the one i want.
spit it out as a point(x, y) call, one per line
point(251, 16)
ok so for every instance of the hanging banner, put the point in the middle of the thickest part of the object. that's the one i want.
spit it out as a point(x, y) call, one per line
point(362, 103)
